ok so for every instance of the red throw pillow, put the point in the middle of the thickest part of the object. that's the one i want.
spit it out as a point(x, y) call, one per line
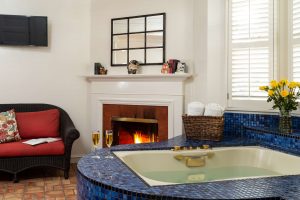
point(38, 124)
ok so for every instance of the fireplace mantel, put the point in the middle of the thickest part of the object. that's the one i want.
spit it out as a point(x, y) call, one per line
point(138, 89)
point(139, 77)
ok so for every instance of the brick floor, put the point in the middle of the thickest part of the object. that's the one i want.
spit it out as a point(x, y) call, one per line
point(39, 183)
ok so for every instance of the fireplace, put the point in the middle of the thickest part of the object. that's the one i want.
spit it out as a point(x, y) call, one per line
point(134, 130)
point(132, 124)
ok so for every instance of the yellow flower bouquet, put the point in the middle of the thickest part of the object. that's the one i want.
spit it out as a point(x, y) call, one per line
point(284, 95)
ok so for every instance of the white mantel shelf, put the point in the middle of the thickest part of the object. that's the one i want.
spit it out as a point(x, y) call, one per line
point(139, 77)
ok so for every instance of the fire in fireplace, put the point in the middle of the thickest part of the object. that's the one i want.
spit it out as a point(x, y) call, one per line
point(140, 137)
point(135, 123)
point(134, 130)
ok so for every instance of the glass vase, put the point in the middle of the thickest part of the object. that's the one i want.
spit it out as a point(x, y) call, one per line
point(285, 122)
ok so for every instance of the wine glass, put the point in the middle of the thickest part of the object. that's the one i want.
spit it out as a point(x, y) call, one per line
point(109, 140)
point(96, 141)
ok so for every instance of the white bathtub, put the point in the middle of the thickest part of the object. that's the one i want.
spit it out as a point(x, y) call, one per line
point(159, 167)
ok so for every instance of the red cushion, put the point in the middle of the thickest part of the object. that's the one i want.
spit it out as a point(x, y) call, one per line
point(18, 149)
point(38, 124)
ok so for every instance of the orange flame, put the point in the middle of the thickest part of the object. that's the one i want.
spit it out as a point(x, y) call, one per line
point(139, 137)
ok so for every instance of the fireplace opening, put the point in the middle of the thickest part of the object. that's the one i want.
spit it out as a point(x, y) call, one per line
point(135, 123)
point(134, 130)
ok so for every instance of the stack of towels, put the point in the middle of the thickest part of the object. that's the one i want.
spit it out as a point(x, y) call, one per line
point(199, 109)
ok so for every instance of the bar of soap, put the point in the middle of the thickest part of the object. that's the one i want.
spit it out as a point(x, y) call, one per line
point(196, 177)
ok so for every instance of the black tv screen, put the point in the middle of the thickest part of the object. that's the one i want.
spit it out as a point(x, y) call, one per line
point(23, 30)
point(38, 31)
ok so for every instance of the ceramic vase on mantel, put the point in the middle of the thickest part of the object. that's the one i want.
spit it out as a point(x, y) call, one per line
point(285, 121)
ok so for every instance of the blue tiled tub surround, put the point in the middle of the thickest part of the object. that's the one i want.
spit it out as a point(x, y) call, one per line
point(272, 139)
point(235, 122)
point(111, 179)
point(263, 129)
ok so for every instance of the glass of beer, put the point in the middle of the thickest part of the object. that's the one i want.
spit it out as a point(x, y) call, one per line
point(108, 140)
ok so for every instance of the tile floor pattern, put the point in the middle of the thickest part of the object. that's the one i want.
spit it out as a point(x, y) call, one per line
point(39, 184)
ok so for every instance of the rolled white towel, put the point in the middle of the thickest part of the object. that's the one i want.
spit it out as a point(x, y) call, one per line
point(195, 109)
point(213, 109)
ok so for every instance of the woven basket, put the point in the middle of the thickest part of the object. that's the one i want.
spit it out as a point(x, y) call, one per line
point(203, 127)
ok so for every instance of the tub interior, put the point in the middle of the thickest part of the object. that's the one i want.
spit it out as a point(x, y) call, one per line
point(160, 167)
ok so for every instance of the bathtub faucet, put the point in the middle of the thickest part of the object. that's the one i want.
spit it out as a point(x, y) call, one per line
point(194, 160)
point(206, 146)
point(180, 148)
point(184, 157)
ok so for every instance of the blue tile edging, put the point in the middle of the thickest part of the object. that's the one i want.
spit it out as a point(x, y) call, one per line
point(111, 179)
point(234, 123)
point(90, 189)
point(263, 129)
point(107, 178)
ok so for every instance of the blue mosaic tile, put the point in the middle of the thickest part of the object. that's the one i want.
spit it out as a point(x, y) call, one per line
point(111, 179)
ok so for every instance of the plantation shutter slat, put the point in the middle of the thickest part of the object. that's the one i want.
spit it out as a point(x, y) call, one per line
point(251, 47)
point(295, 40)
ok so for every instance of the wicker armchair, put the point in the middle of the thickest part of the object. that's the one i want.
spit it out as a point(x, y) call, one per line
point(68, 133)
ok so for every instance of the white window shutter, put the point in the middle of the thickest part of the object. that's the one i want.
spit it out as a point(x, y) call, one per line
point(295, 40)
point(250, 48)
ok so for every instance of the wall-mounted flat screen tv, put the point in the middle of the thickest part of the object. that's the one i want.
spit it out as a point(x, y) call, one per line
point(23, 30)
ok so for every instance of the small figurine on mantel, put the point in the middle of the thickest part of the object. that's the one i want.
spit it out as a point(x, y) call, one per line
point(99, 69)
point(181, 68)
point(165, 68)
point(133, 66)
point(102, 70)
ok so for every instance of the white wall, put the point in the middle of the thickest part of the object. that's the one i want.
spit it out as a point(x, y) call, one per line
point(51, 74)
point(79, 35)
point(179, 28)
point(209, 77)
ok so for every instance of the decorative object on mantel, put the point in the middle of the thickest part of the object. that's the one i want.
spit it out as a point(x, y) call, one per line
point(99, 69)
point(284, 95)
point(173, 65)
point(133, 66)
point(165, 68)
point(201, 126)
point(102, 70)
point(96, 68)
point(181, 68)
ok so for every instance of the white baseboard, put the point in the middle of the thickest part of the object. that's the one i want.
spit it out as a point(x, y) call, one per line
point(76, 158)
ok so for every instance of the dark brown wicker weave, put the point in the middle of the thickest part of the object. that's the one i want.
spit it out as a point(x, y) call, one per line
point(68, 133)
point(203, 127)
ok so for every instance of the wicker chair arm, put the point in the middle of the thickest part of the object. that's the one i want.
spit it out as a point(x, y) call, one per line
point(67, 130)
